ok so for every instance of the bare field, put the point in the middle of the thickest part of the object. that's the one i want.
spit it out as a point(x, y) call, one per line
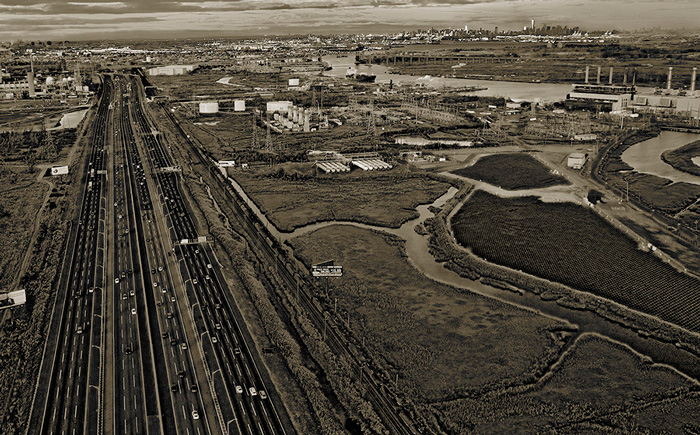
point(442, 342)
point(292, 199)
point(596, 379)
point(21, 197)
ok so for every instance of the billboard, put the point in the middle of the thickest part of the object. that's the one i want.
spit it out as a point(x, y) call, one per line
point(59, 170)
point(322, 270)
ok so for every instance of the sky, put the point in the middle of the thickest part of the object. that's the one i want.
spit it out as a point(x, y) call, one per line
point(127, 19)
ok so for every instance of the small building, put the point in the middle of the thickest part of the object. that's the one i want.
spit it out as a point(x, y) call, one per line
point(239, 105)
point(279, 106)
point(209, 107)
point(576, 160)
point(586, 137)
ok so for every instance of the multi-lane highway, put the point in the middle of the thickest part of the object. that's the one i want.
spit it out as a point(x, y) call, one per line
point(377, 391)
point(71, 399)
point(240, 390)
point(146, 336)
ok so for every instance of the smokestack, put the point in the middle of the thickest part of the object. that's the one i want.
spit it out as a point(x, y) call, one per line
point(670, 74)
point(598, 81)
point(307, 123)
point(634, 77)
point(587, 68)
point(30, 80)
point(624, 78)
point(692, 80)
point(611, 75)
point(532, 25)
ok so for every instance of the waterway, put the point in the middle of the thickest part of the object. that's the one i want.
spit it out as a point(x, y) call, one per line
point(645, 156)
point(516, 91)
point(419, 256)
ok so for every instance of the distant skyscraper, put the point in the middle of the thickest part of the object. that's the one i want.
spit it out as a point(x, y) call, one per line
point(495, 30)
point(466, 28)
point(532, 25)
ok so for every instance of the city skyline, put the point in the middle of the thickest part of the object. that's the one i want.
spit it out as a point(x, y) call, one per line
point(78, 20)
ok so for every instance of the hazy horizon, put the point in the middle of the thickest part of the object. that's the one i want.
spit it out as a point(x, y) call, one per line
point(155, 19)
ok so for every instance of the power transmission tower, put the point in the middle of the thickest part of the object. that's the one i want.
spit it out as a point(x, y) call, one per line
point(50, 147)
point(268, 138)
point(371, 126)
point(256, 143)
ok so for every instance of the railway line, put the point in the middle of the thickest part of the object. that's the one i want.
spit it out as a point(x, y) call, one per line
point(378, 393)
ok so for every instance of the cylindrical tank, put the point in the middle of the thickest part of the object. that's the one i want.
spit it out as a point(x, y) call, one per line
point(209, 107)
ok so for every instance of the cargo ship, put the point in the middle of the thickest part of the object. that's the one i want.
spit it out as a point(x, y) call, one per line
point(363, 77)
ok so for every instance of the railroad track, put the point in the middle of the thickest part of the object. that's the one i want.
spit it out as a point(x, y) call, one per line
point(378, 394)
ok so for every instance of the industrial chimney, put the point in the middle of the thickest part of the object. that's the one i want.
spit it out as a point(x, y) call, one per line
point(30, 81)
point(611, 76)
point(692, 80)
point(598, 81)
point(587, 68)
point(670, 74)
point(624, 78)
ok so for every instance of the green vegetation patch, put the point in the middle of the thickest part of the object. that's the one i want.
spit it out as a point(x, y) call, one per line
point(512, 172)
point(682, 158)
point(595, 378)
point(442, 342)
point(20, 200)
point(569, 244)
point(292, 198)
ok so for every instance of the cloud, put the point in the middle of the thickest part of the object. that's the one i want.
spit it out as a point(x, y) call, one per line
point(78, 19)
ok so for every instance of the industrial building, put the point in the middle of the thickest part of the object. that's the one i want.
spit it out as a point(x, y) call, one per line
point(208, 107)
point(171, 70)
point(576, 160)
point(670, 101)
point(600, 97)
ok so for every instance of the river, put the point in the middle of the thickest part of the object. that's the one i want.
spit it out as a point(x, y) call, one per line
point(516, 91)
point(419, 256)
point(645, 156)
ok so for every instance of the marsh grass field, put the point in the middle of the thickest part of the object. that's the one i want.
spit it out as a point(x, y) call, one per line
point(598, 386)
point(442, 342)
point(292, 197)
point(512, 172)
point(21, 196)
point(569, 244)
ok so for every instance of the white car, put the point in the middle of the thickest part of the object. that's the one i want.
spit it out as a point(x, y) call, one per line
point(116, 280)
point(263, 394)
point(209, 265)
point(133, 311)
point(214, 339)
point(155, 284)
point(194, 281)
point(239, 389)
point(195, 415)
point(252, 391)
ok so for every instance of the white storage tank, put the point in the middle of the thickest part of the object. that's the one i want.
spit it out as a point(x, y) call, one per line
point(209, 107)
point(239, 105)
